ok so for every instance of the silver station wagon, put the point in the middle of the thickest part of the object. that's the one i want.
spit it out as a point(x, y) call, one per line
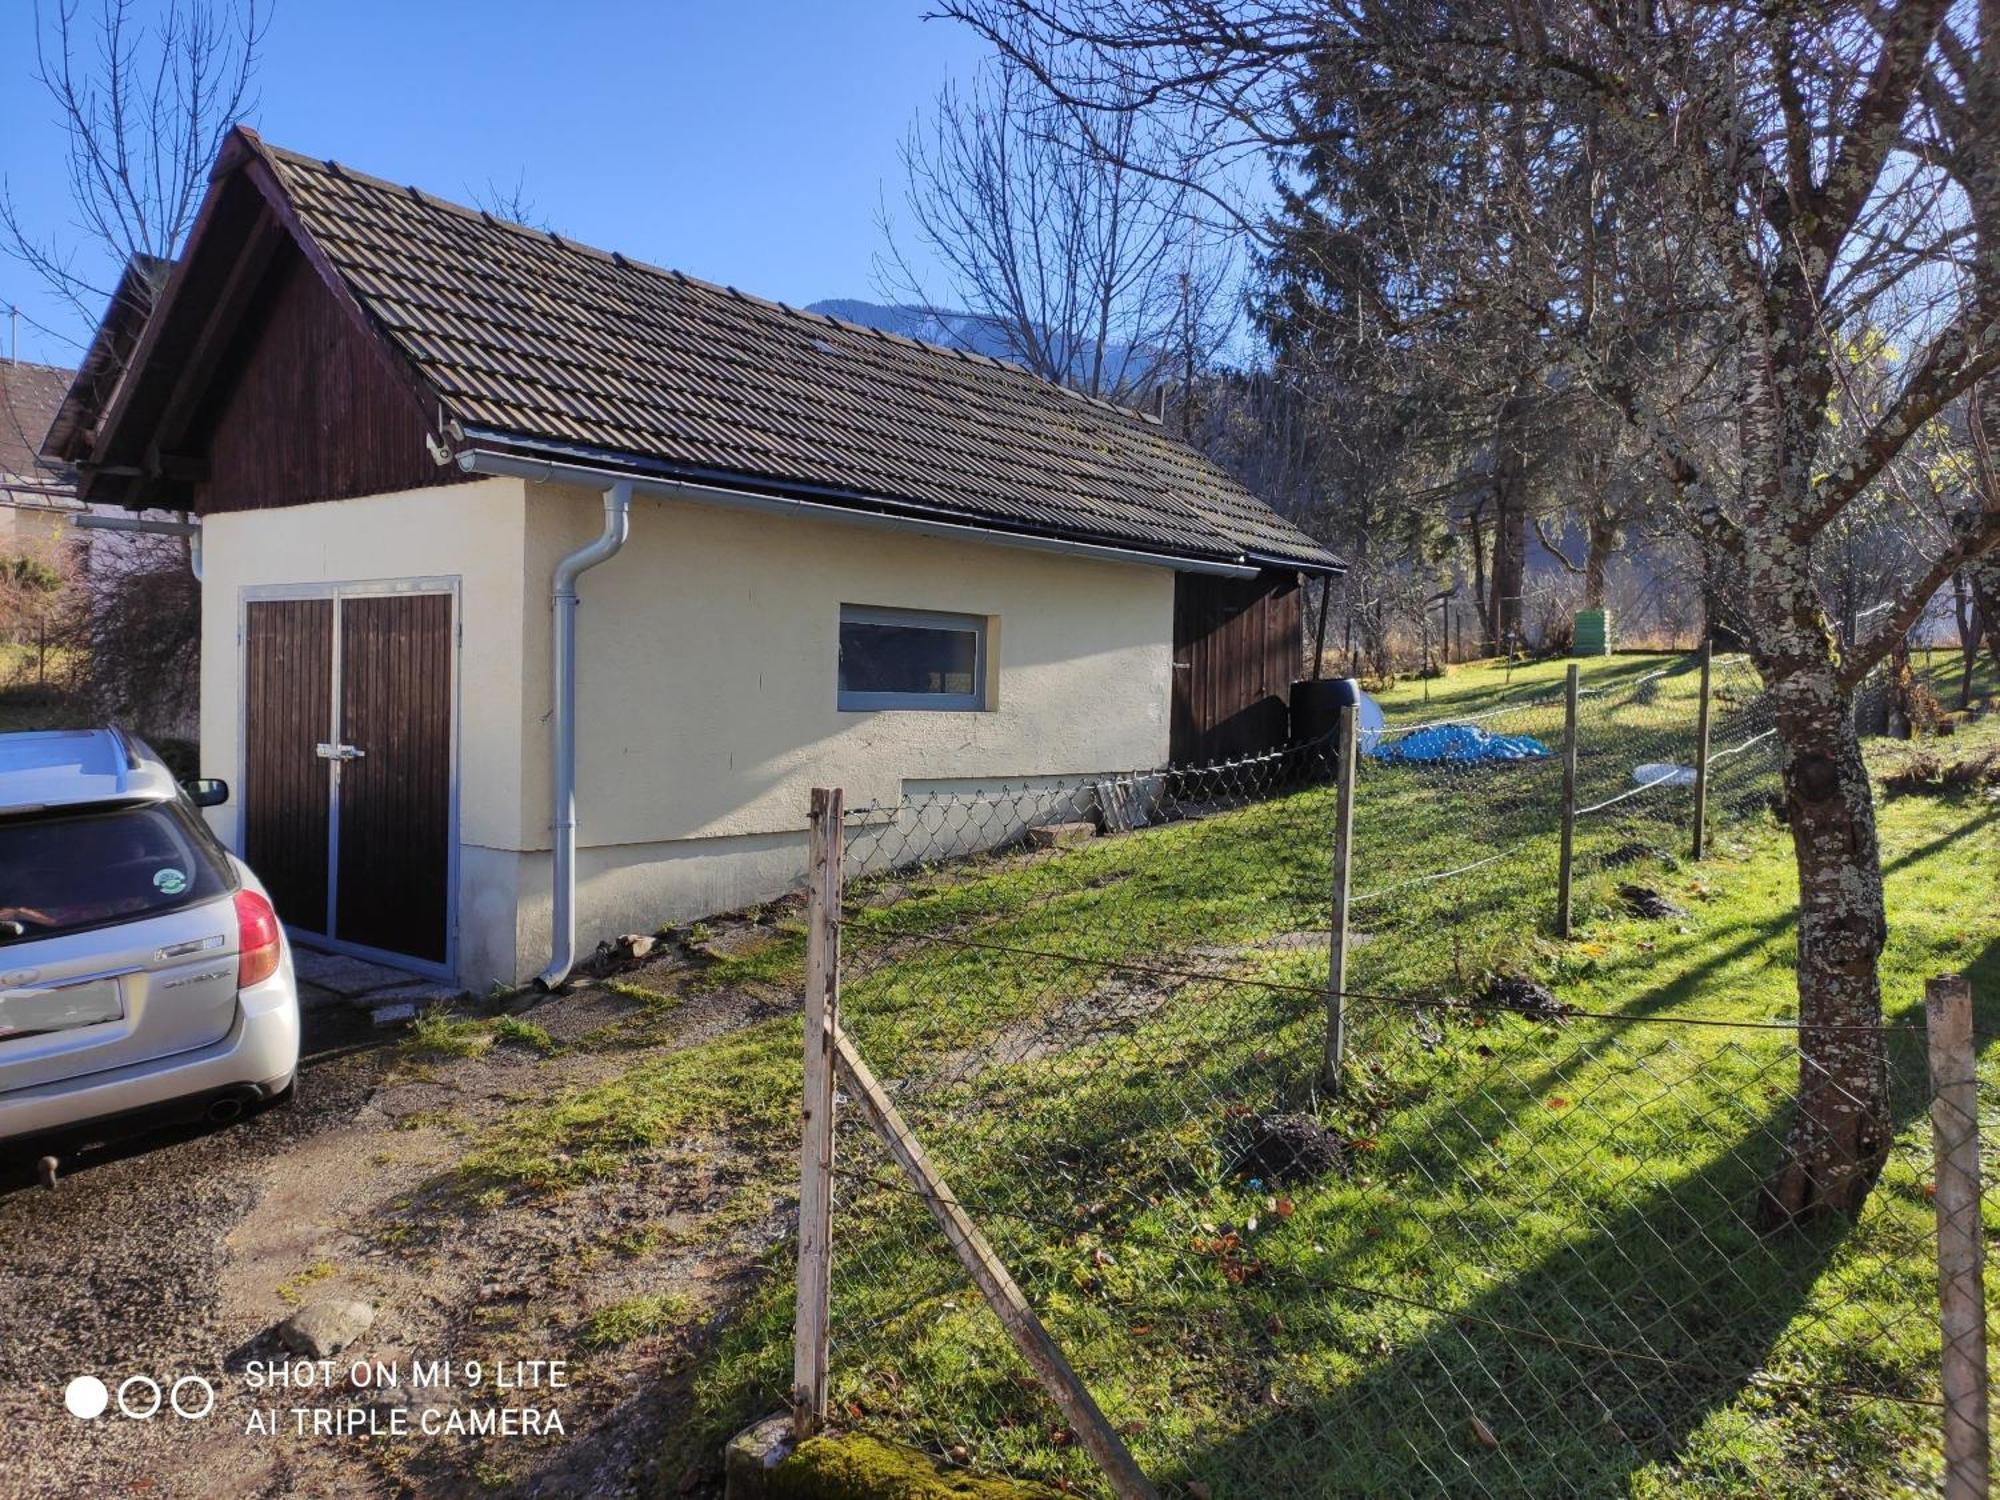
point(143, 971)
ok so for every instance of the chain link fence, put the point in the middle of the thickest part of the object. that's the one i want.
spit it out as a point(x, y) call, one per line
point(1501, 1245)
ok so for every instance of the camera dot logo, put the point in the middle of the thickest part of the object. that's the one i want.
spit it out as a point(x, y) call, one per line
point(140, 1397)
point(86, 1397)
point(191, 1384)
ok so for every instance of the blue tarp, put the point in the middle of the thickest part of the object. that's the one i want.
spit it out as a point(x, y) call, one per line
point(1457, 744)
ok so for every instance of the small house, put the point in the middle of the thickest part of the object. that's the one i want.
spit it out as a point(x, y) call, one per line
point(539, 585)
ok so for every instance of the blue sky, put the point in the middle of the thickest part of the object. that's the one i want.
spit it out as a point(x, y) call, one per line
point(748, 143)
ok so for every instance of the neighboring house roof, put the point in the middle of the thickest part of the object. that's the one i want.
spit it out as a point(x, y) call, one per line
point(29, 398)
point(527, 341)
point(91, 383)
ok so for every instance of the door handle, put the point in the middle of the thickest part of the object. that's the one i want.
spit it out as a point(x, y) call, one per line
point(338, 752)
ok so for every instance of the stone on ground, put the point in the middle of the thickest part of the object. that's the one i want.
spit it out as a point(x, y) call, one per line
point(1061, 835)
point(320, 1330)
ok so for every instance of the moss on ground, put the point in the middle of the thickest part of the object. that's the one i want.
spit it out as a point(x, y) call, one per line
point(854, 1466)
point(636, 1318)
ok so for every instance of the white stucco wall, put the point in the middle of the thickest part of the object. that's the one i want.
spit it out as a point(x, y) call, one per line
point(708, 653)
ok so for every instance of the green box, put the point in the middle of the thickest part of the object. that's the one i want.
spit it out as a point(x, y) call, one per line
point(1593, 633)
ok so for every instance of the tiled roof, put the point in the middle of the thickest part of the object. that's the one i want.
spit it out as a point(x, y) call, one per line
point(29, 396)
point(531, 337)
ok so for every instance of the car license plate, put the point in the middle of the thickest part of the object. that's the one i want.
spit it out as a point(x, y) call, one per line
point(60, 1008)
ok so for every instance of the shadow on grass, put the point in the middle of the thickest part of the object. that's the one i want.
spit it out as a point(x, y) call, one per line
point(1917, 854)
point(1643, 1306)
point(1609, 1354)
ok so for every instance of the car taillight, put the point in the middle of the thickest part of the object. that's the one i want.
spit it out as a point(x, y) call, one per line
point(256, 939)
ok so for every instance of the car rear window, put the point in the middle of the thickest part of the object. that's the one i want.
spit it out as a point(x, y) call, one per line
point(65, 872)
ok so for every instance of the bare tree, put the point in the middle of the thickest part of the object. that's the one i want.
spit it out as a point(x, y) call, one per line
point(512, 204)
point(134, 639)
point(1609, 489)
point(1091, 269)
point(1761, 182)
point(143, 107)
point(144, 98)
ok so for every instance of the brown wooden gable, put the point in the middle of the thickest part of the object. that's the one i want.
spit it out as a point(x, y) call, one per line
point(307, 407)
point(257, 380)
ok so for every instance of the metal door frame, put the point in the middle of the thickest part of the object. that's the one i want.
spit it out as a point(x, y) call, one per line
point(352, 589)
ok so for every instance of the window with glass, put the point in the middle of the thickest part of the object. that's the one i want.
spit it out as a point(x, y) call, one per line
point(910, 658)
point(70, 871)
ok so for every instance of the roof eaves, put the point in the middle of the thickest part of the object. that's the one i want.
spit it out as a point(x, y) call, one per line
point(641, 465)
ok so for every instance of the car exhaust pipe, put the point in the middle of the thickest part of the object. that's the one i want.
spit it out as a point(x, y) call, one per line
point(227, 1109)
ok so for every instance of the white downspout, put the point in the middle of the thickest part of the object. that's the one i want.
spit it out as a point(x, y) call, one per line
point(563, 600)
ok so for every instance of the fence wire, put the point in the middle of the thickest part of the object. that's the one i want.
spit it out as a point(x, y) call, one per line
point(1508, 1249)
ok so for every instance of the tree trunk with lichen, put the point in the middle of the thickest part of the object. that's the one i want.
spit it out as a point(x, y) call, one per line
point(1984, 578)
point(1839, 1134)
point(1603, 542)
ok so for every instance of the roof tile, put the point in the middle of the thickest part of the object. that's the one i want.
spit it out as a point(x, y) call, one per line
point(543, 340)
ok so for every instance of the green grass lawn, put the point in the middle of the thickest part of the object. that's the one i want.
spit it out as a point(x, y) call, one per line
point(1530, 1272)
point(1481, 685)
point(1943, 671)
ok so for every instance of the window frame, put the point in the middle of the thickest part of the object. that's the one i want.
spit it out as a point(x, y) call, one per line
point(977, 626)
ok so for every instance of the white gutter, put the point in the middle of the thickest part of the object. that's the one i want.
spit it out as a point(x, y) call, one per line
point(563, 601)
point(550, 471)
point(189, 529)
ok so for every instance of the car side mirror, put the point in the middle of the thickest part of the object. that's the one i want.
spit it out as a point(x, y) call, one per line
point(208, 791)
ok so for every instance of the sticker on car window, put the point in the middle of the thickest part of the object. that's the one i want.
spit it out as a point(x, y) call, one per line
point(170, 882)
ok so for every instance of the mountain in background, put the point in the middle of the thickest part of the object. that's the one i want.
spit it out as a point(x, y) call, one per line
point(975, 333)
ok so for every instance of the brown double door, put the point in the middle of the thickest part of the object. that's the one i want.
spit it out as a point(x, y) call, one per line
point(347, 791)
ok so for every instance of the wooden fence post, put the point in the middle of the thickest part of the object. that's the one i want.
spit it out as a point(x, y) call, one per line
point(1343, 864)
point(1568, 804)
point(1701, 752)
point(1033, 1341)
point(1961, 1289)
point(822, 1010)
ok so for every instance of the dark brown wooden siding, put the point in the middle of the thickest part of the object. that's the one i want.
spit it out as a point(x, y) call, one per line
point(1236, 654)
point(395, 801)
point(308, 408)
point(288, 708)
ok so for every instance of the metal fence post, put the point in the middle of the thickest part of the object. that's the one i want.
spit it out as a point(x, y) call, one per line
point(1343, 860)
point(1961, 1289)
point(822, 1011)
point(1568, 804)
point(1701, 752)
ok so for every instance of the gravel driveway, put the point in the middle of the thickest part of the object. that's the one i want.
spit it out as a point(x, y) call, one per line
point(179, 1254)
